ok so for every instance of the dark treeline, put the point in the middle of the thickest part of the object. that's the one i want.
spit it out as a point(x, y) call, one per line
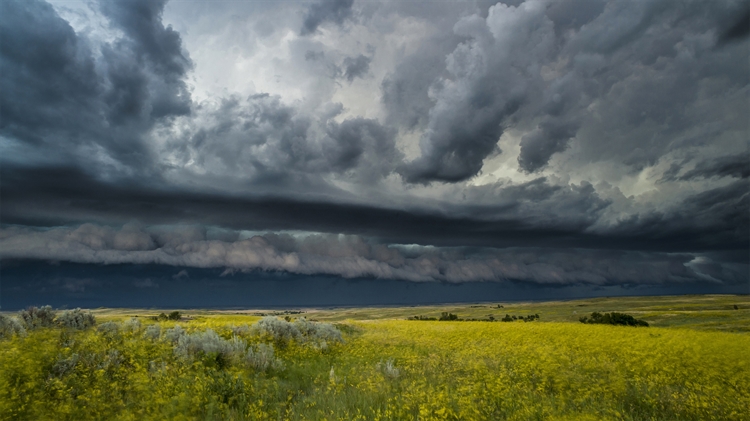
point(613, 318)
point(445, 316)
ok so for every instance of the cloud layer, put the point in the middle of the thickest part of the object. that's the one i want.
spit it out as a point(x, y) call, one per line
point(357, 257)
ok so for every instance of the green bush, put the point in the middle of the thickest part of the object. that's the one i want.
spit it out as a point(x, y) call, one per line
point(613, 318)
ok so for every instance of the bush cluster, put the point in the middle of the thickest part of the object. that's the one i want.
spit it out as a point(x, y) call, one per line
point(44, 317)
point(76, 319)
point(175, 315)
point(261, 358)
point(613, 318)
point(36, 317)
point(529, 318)
point(445, 316)
point(301, 330)
point(10, 326)
point(210, 345)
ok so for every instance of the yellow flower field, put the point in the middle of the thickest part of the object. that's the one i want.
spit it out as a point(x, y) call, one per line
point(384, 370)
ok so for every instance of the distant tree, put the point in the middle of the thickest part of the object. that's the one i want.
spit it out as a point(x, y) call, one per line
point(445, 316)
point(613, 318)
point(175, 315)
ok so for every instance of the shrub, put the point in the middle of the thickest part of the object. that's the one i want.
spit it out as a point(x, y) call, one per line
point(131, 325)
point(10, 326)
point(388, 369)
point(76, 319)
point(210, 344)
point(243, 330)
point(175, 315)
point(318, 332)
point(174, 334)
point(613, 318)
point(152, 332)
point(110, 328)
point(262, 358)
point(302, 330)
point(35, 317)
point(64, 366)
point(281, 331)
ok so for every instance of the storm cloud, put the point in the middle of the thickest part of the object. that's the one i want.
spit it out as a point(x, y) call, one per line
point(592, 142)
point(355, 257)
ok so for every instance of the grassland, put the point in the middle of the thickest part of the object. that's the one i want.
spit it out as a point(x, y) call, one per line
point(692, 364)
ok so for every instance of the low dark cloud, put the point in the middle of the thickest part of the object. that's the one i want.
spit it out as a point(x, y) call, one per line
point(717, 219)
point(357, 257)
point(324, 11)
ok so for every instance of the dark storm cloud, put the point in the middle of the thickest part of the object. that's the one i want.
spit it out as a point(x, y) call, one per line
point(61, 97)
point(405, 90)
point(117, 150)
point(714, 220)
point(357, 257)
point(355, 67)
point(334, 11)
point(49, 81)
point(737, 166)
point(154, 47)
point(271, 143)
point(738, 28)
point(640, 64)
point(538, 146)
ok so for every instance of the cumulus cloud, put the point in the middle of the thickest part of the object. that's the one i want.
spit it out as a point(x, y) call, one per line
point(65, 97)
point(354, 257)
point(621, 78)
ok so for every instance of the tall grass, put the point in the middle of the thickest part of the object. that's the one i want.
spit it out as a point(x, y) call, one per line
point(385, 370)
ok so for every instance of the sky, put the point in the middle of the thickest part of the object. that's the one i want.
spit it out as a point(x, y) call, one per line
point(352, 152)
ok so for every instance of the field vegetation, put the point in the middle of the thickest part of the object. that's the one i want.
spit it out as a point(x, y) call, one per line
point(382, 364)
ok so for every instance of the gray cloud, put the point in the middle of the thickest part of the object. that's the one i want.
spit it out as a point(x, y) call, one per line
point(738, 29)
point(352, 257)
point(64, 97)
point(626, 72)
point(355, 67)
point(334, 11)
point(269, 142)
point(737, 166)
point(538, 146)
point(626, 120)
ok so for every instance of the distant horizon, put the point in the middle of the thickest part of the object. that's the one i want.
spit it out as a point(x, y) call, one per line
point(69, 285)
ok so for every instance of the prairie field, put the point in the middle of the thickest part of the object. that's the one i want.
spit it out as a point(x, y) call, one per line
point(692, 363)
